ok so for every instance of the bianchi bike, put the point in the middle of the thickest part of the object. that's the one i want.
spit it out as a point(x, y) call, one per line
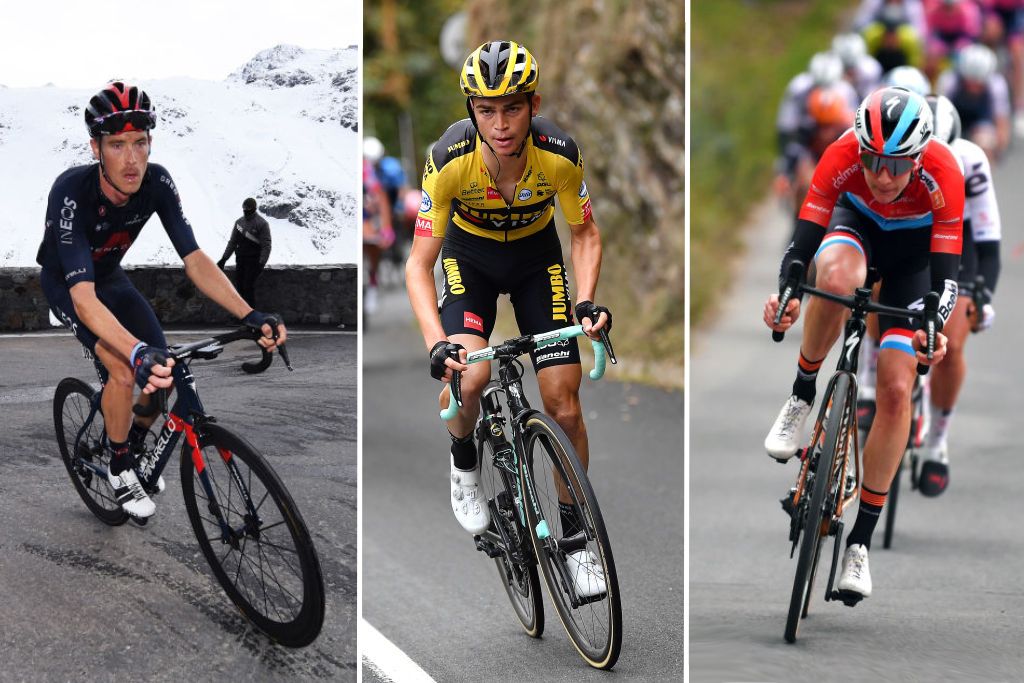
point(830, 467)
point(245, 521)
point(528, 465)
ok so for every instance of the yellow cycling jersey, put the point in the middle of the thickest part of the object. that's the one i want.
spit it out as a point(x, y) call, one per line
point(456, 184)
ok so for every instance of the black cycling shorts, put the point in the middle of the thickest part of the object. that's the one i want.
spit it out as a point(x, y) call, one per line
point(901, 257)
point(118, 294)
point(535, 280)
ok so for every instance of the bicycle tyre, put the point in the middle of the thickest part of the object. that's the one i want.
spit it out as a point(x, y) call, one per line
point(296, 622)
point(806, 566)
point(72, 402)
point(521, 582)
point(597, 634)
point(890, 504)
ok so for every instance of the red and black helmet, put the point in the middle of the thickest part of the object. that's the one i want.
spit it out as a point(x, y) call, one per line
point(119, 108)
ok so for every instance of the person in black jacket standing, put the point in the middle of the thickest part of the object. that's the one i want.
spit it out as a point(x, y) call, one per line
point(251, 237)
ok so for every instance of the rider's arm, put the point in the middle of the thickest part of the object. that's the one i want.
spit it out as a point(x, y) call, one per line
point(585, 252)
point(265, 242)
point(232, 244)
point(947, 226)
point(419, 283)
point(806, 238)
point(168, 208)
point(212, 282)
point(985, 223)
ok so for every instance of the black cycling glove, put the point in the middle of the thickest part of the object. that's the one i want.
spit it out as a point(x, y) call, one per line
point(587, 309)
point(257, 320)
point(143, 359)
point(441, 351)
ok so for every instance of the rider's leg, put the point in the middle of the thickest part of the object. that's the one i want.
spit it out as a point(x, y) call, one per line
point(473, 382)
point(560, 392)
point(116, 405)
point(948, 376)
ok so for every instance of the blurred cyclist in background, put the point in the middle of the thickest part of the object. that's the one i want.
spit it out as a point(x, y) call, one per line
point(378, 233)
point(981, 97)
point(1004, 26)
point(910, 78)
point(952, 26)
point(892, 39)
point(860, 69)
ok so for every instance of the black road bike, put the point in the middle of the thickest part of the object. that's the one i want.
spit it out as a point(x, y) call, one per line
point(523, 479)
point(247, 524)
point(824, 486)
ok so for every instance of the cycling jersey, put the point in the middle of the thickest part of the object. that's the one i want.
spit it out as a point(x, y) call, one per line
point(458, 190)
point(985, 106)
point(87, 236)
point(981, 213)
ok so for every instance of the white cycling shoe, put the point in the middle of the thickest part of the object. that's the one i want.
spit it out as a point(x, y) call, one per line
point(468, 502)
point(130, 495)
point(855, 577)
point(587, 574)
point(783, 440)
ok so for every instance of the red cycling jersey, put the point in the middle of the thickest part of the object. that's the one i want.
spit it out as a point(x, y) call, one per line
point(934, 198)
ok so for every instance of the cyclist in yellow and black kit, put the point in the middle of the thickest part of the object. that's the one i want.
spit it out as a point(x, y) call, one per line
point(489, 188)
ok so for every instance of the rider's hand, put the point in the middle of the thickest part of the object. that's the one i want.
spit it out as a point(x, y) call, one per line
point(152, 368)
point(593, 318)
point(263, 322)
point(446, 357)
point(790, 317)
point(221, 263)
point(921, 345)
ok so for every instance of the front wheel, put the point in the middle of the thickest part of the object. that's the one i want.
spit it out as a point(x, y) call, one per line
point(551, 471)
point(84, 456)
point(253, 536)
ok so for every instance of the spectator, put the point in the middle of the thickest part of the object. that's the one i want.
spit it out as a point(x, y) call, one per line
point(250, 242)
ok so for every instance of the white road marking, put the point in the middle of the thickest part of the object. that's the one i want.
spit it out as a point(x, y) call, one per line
point(385, 659)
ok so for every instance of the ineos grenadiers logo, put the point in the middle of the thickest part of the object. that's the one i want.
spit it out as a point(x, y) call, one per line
point(67, 215)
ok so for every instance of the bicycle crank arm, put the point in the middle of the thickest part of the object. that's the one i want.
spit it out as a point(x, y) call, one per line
point(836, 552)
point(488, 547)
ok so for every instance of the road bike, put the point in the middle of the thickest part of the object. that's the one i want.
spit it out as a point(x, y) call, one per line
point(523, 479)
point(824, 486)
point(245, 521)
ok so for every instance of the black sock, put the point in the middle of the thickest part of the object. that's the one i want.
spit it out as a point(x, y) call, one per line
point(464, 452)
point(120, 457)
point(806, 376)
point(570, 520)
point(871, 504)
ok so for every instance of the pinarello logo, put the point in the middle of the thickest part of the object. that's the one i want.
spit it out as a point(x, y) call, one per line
point(471, 321)
point(493, 194)
point(424, 227)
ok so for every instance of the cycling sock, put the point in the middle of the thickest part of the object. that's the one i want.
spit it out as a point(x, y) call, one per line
point(939, 426)
point(871, 504)
point(570, 520)
point(137, 434)
point(463, 452)
point(120, 457)
point(806, 376)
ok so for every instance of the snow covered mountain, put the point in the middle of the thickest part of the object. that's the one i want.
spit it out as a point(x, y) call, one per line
point(282, 129)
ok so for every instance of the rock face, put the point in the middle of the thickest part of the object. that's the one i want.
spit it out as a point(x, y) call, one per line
point(612, 76)
point(281, 129)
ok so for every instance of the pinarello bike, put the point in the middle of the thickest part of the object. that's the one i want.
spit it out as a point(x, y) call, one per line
point(246, 523)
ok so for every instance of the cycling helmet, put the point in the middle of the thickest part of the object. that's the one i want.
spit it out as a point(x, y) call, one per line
point(373, 149)
point(910, 78)
point(119, 108)
point(945, 117)
point(499, 68)
point(827, 106)
point(893, 122)
point(850, 47)
point(976, 63)
point(825, 68)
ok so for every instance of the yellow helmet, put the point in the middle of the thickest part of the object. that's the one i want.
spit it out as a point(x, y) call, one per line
point(499, 68)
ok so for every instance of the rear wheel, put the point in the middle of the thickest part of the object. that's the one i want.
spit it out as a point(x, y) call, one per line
point(516, 565)
point(550, 470)
point(837, 417)
point(84, 456)
point(253, 537)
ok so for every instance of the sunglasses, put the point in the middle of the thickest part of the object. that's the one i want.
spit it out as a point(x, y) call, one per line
point(120, 121)
point(896, 166)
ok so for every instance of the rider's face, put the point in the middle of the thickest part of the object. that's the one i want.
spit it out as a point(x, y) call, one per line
point(503, 122)
point(125, 157)
point(884, 186)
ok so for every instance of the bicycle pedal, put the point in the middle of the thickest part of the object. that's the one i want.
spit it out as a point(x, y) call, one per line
point(848, 598)
point(487, 548)
point(787, 503)
point(139, 521)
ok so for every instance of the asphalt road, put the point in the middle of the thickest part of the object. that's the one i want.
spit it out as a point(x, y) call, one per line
point(428, 590)
point(84, 601)
point(948, 603)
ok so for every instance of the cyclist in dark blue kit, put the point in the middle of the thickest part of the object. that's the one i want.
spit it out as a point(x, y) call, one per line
point(93, 215)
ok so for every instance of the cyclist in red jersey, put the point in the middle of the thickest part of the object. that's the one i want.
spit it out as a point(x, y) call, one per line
point(884, 195)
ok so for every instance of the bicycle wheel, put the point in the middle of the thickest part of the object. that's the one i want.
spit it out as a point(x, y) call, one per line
point(516, 566)
point(253, 537)
point(550, 463)
point(890, 503)
point(835, 413)
point(85, 459)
